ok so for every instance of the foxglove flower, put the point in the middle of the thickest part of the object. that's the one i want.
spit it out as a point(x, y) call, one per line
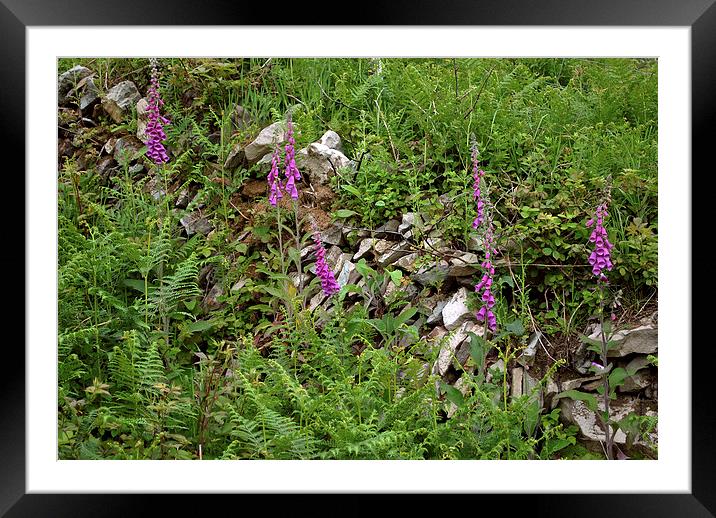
point(477, 174)
point(155, 121)
point(328, 280)
point(292, 174)
point(273, 179)
point(484, 287)
point(600, 258)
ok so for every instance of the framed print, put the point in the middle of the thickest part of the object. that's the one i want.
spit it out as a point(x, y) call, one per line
point(236, 250)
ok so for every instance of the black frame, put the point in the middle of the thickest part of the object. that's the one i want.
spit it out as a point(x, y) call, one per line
point(700, 15)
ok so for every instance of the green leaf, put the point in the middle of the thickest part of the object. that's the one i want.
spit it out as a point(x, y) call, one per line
point(352, 190)
point(405, 316)
point(396, 276)
point(453, 395)
point(345, 213)
point(589, 399)
point(478, 350)
point(617, 377)
point(507, 279)
point(199, 325)
point(136, 284)
point(515, 327)
point(380, 203)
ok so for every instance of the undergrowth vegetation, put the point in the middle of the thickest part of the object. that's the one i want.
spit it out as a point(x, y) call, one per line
point(149, 369)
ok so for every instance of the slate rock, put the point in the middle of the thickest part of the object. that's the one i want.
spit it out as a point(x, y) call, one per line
point(195, 223)
point(456, 312)
point(120, 99)
point(264, 143)
point(67, 81)
point(331, 140)
point(235, 158)
point(432, 275)
point(320, 163)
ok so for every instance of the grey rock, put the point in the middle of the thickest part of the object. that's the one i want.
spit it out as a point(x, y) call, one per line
point(449, 345)
point(576, 412)
point(434, 244)
point(387, 252)
point(641, 340)
point(407, 262)
point(364, 247)
point(527, 356)
point(331, 140)
point(464, 389)
point(456, 312)
point(298, 279)
point(333, 235)
point(105, 165)
point(576, 383)
point(127, 149)
point(136, 169)
point(264, 143)
point(183, 199)
point(316, 300)
point(211, 300)
point(320, 162)
point(642, 377)
point(235, 158)
point(195, 223)
point(67, 81)
point(432, 275)
point(517, 380)
point(155, 187)
point(142, 108)
point(119, 100)
point(475, 244)
point(409, 221)
point(240, 118)
point(406, 291)
point(239, 284)
point(90, 94)
point(345, 273)
point(436, 317)
point(464, 265)
point(388, 230)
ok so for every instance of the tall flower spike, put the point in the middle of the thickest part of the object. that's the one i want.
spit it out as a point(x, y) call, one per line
point(273, 178)
point(484, 287)
point(600, 258)
point(477, 174)
point(292, 174)
point(156, 122)
point(328, 280)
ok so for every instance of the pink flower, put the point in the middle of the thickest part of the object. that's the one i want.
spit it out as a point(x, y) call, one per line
point(274, 180)
point(155, 130)
point(328, 280)
point(292, 174)
point(600, 258)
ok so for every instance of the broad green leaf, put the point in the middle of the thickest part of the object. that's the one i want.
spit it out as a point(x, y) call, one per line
point(589, 399)
point(453, 395)
point(345, 213)
point(352, 190)
point(136, 284)
point(617, 377)
point(515, 327)
point(396, 276)
point(405, 316)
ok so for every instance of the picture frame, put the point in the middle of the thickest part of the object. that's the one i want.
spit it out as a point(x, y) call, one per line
point(700, 16)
